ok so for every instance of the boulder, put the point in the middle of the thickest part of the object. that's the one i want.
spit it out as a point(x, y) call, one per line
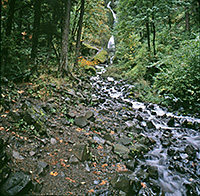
point(121, 182)
point(81, 121)
point(16, 183)
point(81, 151)
point(121, 150)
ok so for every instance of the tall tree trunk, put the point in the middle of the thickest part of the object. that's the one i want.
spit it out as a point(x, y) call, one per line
point(187, 20)
point(154, 39)
point(80, 24)
point(10, 17)
point(148, 36)
point(154, 32)
point(0, 51)
point(36, 26)
point(5, 55)
point(63, 67)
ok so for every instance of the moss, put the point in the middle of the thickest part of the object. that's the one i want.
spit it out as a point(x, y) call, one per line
point(101, 56)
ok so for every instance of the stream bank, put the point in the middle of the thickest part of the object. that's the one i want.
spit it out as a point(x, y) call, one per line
point(95, 140)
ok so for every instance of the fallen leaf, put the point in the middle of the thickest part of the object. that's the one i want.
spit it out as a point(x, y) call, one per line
point(104, 165)
point(100, 147)
point(103, 182)
point(67, 178)
point(53, 173)
point(91, 191)
point(20, 92)
point(24, 33)
point(143, 185)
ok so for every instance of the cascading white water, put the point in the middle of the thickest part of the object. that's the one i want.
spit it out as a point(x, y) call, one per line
point(111, 42)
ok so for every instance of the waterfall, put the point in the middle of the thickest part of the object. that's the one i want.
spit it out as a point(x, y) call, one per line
point(111, 42)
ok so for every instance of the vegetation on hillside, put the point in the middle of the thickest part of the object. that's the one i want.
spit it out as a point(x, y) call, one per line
point(158, 46)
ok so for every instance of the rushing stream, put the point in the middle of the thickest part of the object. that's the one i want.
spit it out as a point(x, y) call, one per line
point(174, 159)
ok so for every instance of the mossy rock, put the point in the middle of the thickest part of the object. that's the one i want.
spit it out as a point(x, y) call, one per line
point(101, 56)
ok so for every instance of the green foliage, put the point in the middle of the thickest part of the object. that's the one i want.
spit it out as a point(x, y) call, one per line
point(180, 78)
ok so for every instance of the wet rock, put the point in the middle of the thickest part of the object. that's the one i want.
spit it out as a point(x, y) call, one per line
point(139, 117)
point(121, 182)
point(152, 171)
point(171, 122)
point(81, 151)
point(121, 150)
point(131, 164)
point(16, 183)
point(138, 149)
point(191, 152)
point(81, 121)
point(151, 124)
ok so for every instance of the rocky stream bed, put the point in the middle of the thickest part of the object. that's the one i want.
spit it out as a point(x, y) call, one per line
point(95, 139)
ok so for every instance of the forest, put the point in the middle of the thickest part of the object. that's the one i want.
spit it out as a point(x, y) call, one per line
point(100, 97)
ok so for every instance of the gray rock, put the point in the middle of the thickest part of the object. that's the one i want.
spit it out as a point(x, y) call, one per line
point(16, 155)
point(99, 140)
point(41, 167)
point(81, 121)
point(121, 149)
point(16, 183)
point(89, 114)
point(121, 182)
point(81, 151)
point(138, 149)
point(126, 141)
point(53, 141)
point(109, 137)
point(73, 159)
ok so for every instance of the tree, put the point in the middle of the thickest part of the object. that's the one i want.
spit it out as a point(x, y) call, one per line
point(78, 39)
point(36, 26)
point(64, 66)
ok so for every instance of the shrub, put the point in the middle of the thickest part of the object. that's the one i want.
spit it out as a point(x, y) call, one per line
point(179, 80)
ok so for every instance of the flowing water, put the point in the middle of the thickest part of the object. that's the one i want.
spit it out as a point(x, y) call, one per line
point(111, 42)
point(176, 154)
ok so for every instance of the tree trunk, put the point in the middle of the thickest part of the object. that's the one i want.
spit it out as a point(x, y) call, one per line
point(63, 67)
point(148, 36)
point(154, 32)
point(36, 26)
point(187, 20)
point(10, 17)
point(154, 39)
point(80, 24)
